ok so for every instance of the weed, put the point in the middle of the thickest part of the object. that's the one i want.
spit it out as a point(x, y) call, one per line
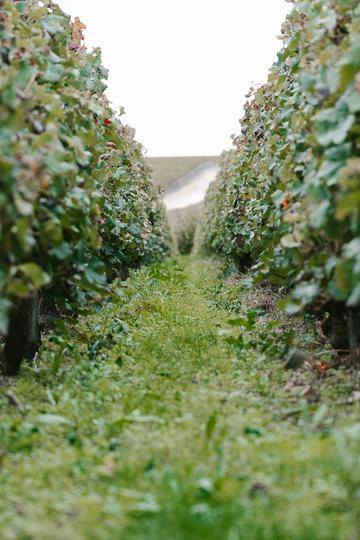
point(156, 427)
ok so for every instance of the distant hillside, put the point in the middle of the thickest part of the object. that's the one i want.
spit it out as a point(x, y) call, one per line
point(167, 169)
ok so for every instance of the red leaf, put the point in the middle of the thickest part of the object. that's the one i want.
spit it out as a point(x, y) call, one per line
point(322, 367)
point(285, 203)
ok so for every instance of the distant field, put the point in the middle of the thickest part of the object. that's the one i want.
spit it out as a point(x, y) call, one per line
point(167, 169)
point(183, 223)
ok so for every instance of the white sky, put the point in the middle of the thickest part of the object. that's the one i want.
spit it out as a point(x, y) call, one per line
point(181, 68)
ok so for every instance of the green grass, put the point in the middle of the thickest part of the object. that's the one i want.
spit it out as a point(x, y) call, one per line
point(162, 424)
point(168, 169)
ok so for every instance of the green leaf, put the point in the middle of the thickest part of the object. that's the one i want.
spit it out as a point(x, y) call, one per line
point(54, 72)
point(5, 306)
point(25, 73)
point(134, 229)
point(61, 252)
point(352, 249)
point(25, 208)
point(35, 273)
point(53, 23)
point(332, 125)
point(306, 292)
point(21, 6)
point(290, 307)
point(348, 204)
point(95, 273)
point(339, 153)
point(354, 298)
point(343, 275)
point(249, 430)
point(210, 426)
point(52, 419)
point(320, 214)
point(352, 56)
point(144, 419)
point(353, 102)
point(241, 322)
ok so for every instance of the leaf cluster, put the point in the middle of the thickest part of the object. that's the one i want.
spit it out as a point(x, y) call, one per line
point(77, 204)
point(287, 198)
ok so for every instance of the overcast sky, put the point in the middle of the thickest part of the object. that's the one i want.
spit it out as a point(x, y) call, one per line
point(181, 68)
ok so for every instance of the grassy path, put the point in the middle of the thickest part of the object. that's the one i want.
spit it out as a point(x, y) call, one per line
point(161, 423)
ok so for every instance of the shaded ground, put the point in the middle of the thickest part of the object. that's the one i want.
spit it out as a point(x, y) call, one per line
point(171, 417)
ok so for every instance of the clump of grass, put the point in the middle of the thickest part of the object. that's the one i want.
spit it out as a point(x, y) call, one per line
point(156, 424)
